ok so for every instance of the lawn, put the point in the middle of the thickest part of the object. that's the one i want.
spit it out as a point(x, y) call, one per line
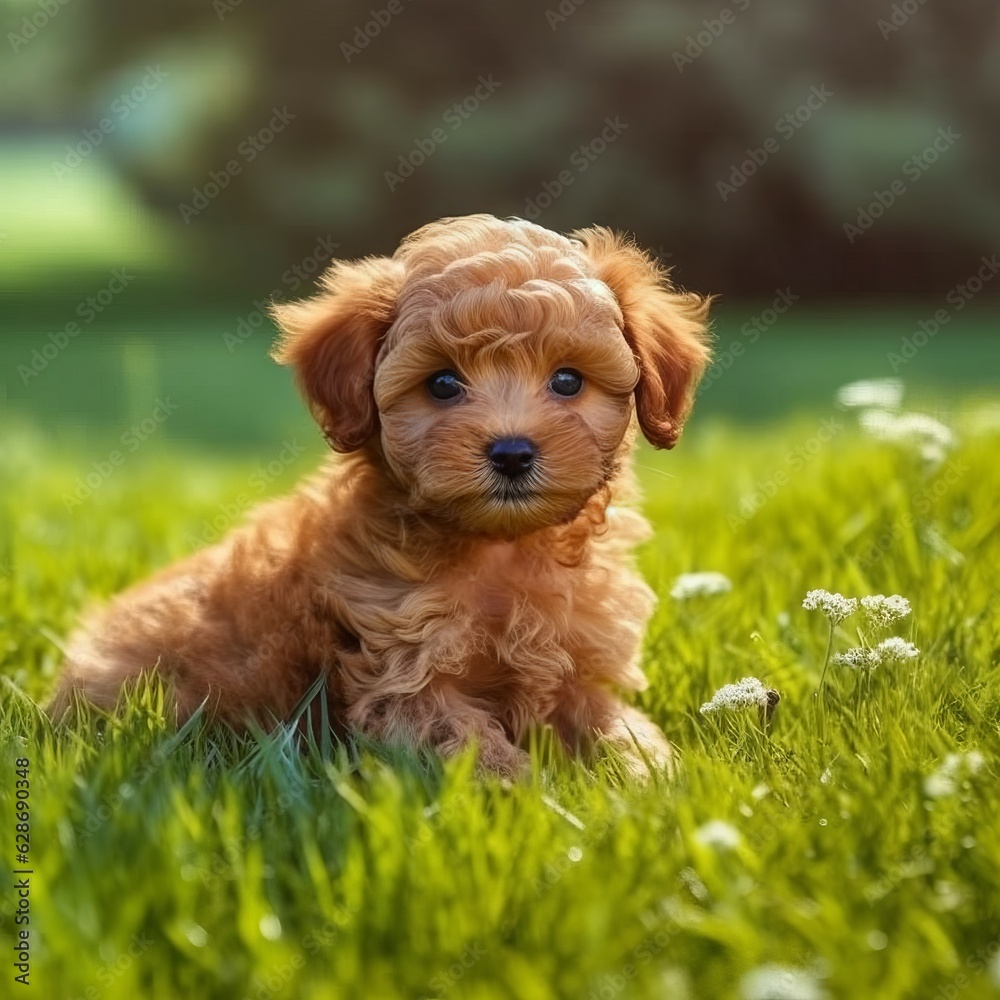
point(849, 849)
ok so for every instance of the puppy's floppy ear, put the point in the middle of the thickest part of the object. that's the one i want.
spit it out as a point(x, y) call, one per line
point(667, 330)
point(332, 340)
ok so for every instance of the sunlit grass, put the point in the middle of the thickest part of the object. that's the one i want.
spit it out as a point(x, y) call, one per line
point(204, 864)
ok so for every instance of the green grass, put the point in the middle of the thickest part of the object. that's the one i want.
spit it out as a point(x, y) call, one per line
point(206, 865)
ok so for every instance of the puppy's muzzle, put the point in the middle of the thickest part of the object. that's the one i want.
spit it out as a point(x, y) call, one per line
point(512, 457)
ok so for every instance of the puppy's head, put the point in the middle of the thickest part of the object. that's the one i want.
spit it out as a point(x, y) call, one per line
point(494, 367)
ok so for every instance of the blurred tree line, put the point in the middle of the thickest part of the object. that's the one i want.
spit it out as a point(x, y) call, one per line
point(742, 140)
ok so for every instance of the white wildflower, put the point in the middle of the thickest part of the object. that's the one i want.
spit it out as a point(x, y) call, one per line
point(881, 392)
point(897, 648)
point(836, 607)
point(866, 658)
point(780, 982)
point(858, 658)
point(944, 781)
point(923, 428)
point(743, 694)
point(700, 585)
point(907, 428)
point(881, 610)
point(878, 423)
point(718, 833)
point(933, 455)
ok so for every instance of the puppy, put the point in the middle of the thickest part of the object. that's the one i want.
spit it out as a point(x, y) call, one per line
point(460, 574)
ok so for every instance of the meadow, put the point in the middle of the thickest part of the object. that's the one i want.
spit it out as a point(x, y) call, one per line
point(848, 847)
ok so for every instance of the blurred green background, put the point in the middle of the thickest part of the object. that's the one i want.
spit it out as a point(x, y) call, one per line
point(166, 169)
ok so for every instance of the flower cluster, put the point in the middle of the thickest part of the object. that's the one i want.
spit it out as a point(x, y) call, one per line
point(700, 585)
point(883, 611)
point(858, 658)
point(886, 393)
point(907, 427)
point(895, 648)
point(836, 607)
point(931, 437)
point(743, 694)
point(879, 401)
point(880, 612)
point(867, 658)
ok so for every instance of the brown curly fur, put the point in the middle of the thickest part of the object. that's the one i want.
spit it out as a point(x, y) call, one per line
point(443, 613)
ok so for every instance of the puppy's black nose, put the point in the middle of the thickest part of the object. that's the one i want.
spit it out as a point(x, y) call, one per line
point(512, 457)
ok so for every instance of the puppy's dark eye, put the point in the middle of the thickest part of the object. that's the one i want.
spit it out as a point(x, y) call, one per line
point(445, 384)
point(566, 382)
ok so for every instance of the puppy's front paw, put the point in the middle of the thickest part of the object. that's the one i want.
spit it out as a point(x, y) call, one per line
point(499, 757)
point(637, 745)
point(495, 754)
